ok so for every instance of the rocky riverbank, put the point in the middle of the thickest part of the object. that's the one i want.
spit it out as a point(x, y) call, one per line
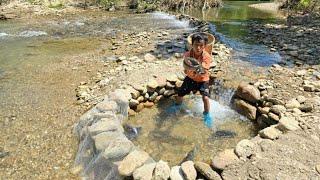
point(296, 40)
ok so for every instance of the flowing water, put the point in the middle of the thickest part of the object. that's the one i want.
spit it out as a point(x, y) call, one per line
point(27, 46)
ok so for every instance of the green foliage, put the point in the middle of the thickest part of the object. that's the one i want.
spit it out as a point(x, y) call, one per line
point(107, 3)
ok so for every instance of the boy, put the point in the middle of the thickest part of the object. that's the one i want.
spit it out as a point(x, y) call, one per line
point(195, 80)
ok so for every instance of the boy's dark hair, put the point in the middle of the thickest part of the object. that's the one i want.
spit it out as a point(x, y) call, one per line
point(199, 38)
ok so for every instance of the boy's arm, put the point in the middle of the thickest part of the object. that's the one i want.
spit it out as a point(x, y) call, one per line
point(206, 62)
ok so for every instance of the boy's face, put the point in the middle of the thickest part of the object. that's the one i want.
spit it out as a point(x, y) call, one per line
point(198, 47)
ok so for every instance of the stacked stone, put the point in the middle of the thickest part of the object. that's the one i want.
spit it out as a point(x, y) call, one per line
point(153, 91)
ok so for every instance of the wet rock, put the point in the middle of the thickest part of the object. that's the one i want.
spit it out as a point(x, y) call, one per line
point(206, 171)
point(116, 150)
point(103, 139)
point(278, 109)
point(188, 170)
point(153, 96)
point(162, 90)
point(293, 103)
point(245, 109)
point(130, 131)
point(176, 173)
point(245, 148)
point(248, 92)
point(224, 134)
point(149, 57)
point(132, 161)
point(288, 124)
point(270, 133)
point(144, 172)
point(161, 171)
point(224, 159)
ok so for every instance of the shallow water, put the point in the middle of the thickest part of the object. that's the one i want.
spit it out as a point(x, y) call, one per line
point(230, 24)
point(170, 136)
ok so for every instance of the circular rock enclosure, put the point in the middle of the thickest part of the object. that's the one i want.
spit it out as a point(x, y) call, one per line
point(106, 153)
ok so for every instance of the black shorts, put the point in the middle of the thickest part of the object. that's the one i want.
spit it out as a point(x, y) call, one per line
point(189, 85)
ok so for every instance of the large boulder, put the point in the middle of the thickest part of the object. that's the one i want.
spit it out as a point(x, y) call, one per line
point(161, 171)
point(245, 148)
point(188, 170)
point(144, 172)
point(245, 109)
point(248, 92)
point(130, 163)
point(176, 173)
point(224, 159)
point(206, 171)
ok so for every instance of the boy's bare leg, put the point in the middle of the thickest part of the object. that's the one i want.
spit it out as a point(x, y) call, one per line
point(206, 104)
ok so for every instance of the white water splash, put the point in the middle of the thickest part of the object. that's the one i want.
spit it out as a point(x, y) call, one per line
point(3, 34)
point(32, 33)
point(175, 22)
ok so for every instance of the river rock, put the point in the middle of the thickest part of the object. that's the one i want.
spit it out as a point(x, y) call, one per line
point(248, 92)
point(170, 86)
point(140, 99)
point(152, 84)
point(301, 99)
point(188, 170)
point(224, 159)
point(301, 72)
point(161, 171)
point(275, 101)
point(103, 139)
point(162, 82)
point(318, 168)
point(162, 90)
point(288, 124)
point(105, 106)
point(293, 103)
point(144, 172)
point(148, 104)
point(116, 150)
point(264, 110)
point(132, 161)
point(308, 87)
point(172, 78)
point(149, 57)
point(168, 92)
point(153, 96)
point(206, 171)
point(176, 173)
point(245, 148)
point(105, 125)
point(245, 109)
point(138, 87)
point(131, 112)
point(306, 108)
point(270, 133)
point(179, 83)
point(273, 117)
point(139, 107)
point(134, 93)
point(133, 103)
point(278, 109)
